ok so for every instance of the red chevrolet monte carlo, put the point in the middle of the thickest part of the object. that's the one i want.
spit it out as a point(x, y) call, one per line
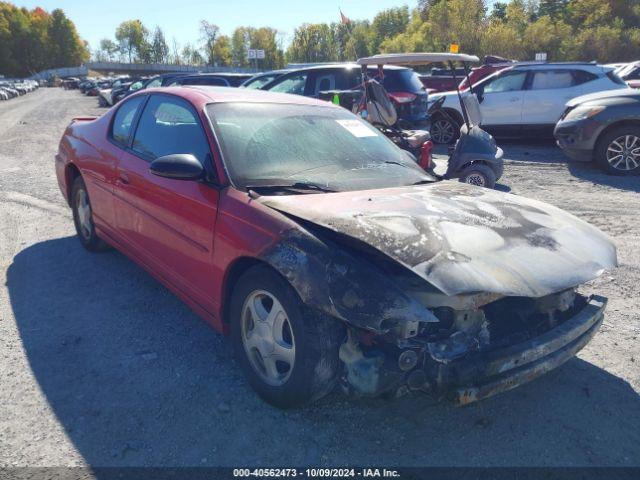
point(326, 252)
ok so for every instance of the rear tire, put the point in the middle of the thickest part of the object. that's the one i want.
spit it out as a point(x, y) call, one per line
point(480, 175)
point(287, 351)
point(618, 151)
point(83, 218)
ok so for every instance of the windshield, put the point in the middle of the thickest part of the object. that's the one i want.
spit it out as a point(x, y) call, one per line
point(281, 144)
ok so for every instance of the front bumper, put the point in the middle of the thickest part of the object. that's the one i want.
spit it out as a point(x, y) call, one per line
point(477, 375)
point(577, 138)
point(483, 375)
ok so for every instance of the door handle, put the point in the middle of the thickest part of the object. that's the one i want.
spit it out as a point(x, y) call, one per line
point(514, 99)
point(124, 178)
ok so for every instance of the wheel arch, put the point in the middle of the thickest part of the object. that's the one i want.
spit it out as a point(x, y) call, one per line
point(71, 172)
point(235, 270)
point(609, 128)
point(453, 113)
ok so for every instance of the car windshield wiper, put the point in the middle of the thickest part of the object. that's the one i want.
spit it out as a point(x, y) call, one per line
point(296, 186)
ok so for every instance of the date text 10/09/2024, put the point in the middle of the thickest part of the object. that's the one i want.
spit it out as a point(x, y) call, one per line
point(315, 473)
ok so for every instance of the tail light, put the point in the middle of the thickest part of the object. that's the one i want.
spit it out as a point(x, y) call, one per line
point(425, 155)
point(402, 97)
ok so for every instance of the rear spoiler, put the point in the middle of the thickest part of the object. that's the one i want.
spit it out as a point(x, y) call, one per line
point(82, 119)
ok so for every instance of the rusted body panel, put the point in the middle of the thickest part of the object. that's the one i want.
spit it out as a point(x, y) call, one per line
point(463, 239)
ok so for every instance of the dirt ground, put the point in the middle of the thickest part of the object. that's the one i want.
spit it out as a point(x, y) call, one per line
point(100, 365)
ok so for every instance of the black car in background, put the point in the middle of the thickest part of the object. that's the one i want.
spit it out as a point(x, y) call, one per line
point(603, 127)
point(402, 84)
point(217, 79)
point(260, 80)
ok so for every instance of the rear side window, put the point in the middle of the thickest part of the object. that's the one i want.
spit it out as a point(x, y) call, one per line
point(402, 81)
point(582, 76)
point(552, 79)
point(168, 125)
point(123, 120)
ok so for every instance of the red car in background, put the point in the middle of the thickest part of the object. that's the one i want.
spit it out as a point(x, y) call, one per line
point(442, 80)
point(325, 251)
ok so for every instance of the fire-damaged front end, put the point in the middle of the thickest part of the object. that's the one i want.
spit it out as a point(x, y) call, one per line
point(452, 290)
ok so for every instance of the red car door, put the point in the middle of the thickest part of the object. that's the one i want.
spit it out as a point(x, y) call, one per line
point(168, 224)
point(100, 173)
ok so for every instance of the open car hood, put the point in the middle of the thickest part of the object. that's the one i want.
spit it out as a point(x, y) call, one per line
point(464, 239)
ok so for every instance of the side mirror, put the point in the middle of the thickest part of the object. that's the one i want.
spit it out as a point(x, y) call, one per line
point(181, 166)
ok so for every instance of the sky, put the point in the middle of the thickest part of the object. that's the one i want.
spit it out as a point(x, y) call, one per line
point(96, 20)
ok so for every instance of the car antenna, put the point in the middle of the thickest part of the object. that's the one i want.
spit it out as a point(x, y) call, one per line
point(253, 194)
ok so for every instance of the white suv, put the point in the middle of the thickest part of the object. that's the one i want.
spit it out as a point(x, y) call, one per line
point(525, 100)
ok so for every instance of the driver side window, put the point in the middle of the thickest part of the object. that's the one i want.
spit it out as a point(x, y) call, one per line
point(509, 82)
point(168, 125)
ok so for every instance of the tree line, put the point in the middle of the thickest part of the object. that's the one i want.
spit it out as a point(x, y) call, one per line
point(602, 30)
point(567, 30)
point(35, 40)
point(134, 42)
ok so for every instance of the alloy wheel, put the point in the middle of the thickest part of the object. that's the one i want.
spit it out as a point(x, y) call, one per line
point(267, 337)
point(624, 153)
point(442, 131)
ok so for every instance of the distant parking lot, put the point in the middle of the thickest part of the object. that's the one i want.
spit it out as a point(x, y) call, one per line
point(100, 365)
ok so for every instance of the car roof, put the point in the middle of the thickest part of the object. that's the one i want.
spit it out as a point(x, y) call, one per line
point(416, 58)
point(201, 95)
point(341, 66)
point(557, 65)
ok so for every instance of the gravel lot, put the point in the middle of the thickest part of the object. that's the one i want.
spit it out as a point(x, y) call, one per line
point(100, 365)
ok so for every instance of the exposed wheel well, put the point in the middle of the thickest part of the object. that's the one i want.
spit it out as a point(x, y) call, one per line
point(624, 123)
point(71, 173)
point(235, 271)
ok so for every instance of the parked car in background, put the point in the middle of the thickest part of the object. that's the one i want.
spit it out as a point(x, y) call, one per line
point(402, 84)
point(210, 79)
point(105, 96)
point(260, 80)
point(337, 258)
point(132, 88)
point(603, 127)
point(70, 83)
point(442, 79)
point(491, 65)
point(525, 100)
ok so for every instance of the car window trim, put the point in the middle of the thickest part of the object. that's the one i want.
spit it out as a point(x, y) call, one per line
point(207, 163)
point(134, 122)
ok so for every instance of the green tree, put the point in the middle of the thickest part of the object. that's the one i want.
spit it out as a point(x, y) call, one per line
point(132, 38)
point(222, 51)
point(208, 34)
point(159, 47)
point(387, 24)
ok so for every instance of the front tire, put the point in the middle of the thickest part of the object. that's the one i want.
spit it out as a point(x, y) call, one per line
point(83, 218)
point(618, 151)
point(287, 351)
point(479, 175)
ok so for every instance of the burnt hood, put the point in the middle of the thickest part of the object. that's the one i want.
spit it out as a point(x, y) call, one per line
point(464, 239)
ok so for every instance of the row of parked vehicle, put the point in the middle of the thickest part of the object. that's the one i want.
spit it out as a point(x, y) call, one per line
point(516, 100)
point(13, 89)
